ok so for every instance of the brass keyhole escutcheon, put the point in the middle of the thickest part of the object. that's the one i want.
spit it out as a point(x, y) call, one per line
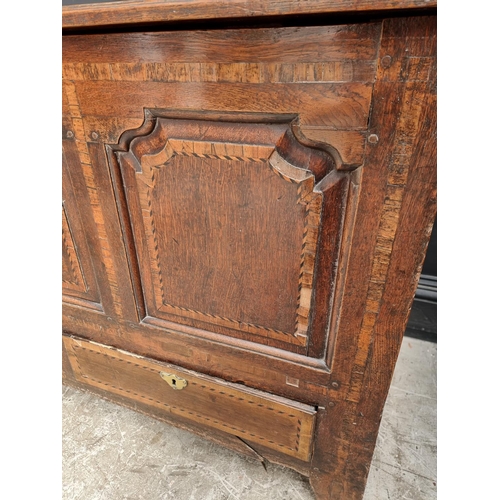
point(177, 383)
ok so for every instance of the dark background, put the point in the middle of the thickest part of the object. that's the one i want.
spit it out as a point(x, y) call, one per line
point(423, 317)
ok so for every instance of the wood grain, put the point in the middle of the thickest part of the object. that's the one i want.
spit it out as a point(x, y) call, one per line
point(191, 135)
point(223, 51)
point(254, 451)
point(349, 143)
point(242, 245)
point(137, 11)
point(384, 255)
point(72, 270)
point(240, 72)
point(343, 105)
point(78, 276)
point(86, 166)
point(276, 423)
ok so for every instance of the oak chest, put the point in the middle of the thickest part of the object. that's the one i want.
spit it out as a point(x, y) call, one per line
point(248, 192)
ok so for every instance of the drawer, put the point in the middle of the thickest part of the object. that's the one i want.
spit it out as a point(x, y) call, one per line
point(254, 416)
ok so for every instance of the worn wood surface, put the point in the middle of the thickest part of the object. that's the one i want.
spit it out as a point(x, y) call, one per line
point(227, 246)
point(150, 11)
point(79, 277)
point(394, 219)
point(345, 104)
point(325, 74)
point(253, 450)
point(282, 425)
point(160, 132)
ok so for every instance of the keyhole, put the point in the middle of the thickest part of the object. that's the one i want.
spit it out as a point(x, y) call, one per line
point(173, 381)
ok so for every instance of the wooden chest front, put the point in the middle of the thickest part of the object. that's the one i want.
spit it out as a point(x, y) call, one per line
point(247, 209)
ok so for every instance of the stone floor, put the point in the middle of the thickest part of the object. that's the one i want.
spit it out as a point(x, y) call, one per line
point(113, 453)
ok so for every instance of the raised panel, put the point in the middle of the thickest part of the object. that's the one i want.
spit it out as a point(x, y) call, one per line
point(226, 225)
point(79, 284)
point(72, 274)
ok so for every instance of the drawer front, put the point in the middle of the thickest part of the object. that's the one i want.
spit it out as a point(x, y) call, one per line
point(277, 423)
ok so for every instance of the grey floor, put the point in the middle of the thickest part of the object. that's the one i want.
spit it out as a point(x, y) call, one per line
point(112, 453)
